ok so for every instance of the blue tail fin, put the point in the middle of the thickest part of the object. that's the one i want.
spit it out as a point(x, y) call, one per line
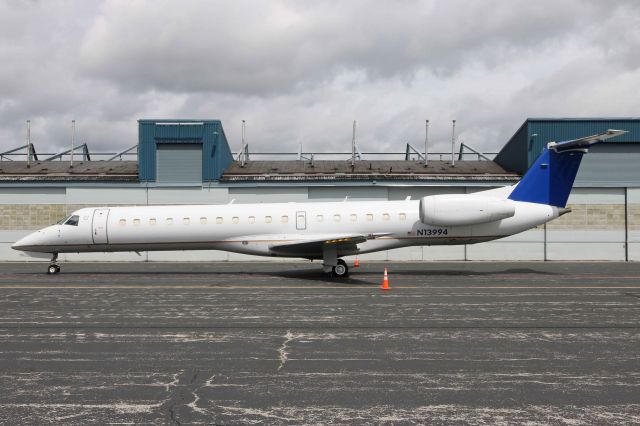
point(550, 179)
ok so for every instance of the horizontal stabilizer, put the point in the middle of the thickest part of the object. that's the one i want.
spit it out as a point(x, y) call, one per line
point(584, 143)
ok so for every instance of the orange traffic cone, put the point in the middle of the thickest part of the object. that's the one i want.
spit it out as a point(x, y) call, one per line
point(385, 281)
point(356, 264)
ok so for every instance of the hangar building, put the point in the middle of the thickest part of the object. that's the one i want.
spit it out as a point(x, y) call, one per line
point(190, 162)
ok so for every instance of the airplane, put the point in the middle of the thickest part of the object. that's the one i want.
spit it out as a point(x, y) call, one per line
point(325, 231)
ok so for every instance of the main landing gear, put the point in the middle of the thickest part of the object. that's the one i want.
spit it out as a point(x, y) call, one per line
point(53, 267)
point(341, 270)
point(331, 264)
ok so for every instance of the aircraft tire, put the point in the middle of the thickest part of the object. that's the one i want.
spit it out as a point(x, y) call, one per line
point(341, 270)
point(53, 269)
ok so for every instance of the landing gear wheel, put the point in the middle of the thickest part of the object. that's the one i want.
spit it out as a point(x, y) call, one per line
point(53, 268)
point(341, 270)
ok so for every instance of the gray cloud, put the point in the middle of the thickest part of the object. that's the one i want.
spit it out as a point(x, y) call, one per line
point(280, 46)
point(300, 72)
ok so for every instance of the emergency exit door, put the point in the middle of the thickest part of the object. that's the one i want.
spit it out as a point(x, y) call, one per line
point(301, 220)
point(99, 226)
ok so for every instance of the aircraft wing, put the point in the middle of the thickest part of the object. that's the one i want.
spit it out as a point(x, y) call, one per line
point(345, 244)
point(584, 143)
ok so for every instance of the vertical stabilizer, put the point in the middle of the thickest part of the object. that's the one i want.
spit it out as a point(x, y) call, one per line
point(550, 179)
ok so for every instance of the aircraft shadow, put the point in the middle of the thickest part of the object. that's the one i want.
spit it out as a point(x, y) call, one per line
point(454, 273)
point(310, 274)
point(319, 276)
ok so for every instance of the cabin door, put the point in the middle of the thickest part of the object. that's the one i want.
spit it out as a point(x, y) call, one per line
point(99, 226)
point(301, 220)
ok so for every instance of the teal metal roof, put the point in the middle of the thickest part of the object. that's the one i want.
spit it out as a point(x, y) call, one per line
point(583, 118)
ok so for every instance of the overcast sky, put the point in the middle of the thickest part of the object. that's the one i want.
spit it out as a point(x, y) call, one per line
point(301, 71)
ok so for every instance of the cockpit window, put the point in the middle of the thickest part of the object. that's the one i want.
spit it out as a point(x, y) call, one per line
point(73, 220)
point(60, 222)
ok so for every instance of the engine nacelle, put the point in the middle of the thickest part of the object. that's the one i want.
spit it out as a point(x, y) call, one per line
point(453, 210)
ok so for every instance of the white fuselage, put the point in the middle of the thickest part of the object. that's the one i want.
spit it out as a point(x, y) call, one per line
point(256, 228)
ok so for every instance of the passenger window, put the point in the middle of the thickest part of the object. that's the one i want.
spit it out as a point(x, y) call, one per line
point(235, 220)
point(136, 222)
point(73, 220)
point(385, 216)
point(203, 220)
point(267, 219)
point(285, 219)
point(252, 219)
point(122, 222)
point(336, 218)
point(369, 217)
point(218, 220)
point(403, 216)
point(169, 221)
point(186, 220)
point(152, 221)
point(319, 218)
point(353, 217)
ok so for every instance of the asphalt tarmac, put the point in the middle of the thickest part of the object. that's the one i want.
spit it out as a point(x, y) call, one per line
point(242, 343)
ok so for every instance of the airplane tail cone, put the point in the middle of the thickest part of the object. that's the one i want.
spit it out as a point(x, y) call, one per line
point(356, 264)
point(385, 281)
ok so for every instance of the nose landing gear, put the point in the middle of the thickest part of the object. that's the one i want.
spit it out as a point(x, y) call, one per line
point(53, 267)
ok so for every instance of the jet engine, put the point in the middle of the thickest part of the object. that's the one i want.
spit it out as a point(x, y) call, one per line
point(456, 210)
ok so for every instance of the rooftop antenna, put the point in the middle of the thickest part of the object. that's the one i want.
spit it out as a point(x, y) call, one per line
point(353, 145)
point(426, 142)
point(28, 143)
point(73, 139)
point(243, 158)
point(453, 144)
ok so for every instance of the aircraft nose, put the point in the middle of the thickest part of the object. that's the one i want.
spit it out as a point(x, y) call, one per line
point(28, 241)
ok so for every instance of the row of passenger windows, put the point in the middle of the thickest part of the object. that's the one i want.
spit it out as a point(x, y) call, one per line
point(267, 219)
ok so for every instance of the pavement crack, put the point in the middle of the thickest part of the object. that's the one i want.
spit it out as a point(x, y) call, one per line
point(283, 349)
point(194, 404)
point(173, 416)
point(182, 384)
point(174, 382)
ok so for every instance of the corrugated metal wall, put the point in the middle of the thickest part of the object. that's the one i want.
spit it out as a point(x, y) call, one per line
point(146, 151)
point(216, 154)
point(609, 163)
point(548, 130)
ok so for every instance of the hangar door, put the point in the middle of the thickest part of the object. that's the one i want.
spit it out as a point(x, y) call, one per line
point(179, 163)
